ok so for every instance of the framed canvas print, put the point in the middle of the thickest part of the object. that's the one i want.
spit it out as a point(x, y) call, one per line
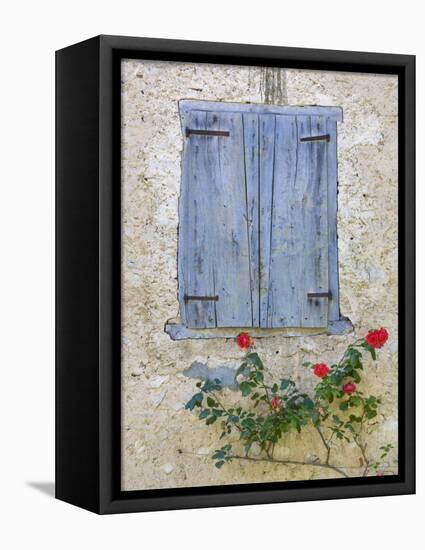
point(235, 274)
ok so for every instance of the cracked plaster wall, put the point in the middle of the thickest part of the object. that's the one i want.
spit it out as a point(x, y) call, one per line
point(162, 444)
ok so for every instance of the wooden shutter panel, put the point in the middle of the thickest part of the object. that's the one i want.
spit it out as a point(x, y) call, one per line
point(214, 250)
point(298, 250)
point(254, 237)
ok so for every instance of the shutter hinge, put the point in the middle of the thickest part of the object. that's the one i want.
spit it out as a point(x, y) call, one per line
point(325, 137)
point(188, 298)
point(190, 132)
point(319, 295)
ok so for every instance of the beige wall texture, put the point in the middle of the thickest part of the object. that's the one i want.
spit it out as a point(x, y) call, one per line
point(164, 445)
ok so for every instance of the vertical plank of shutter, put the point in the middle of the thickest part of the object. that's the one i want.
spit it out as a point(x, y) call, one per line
point(251, 148)
point(266, 166)
point(287, 242)
point(314, 312)
point(232, 275)
point(183, 229)
point(198, 227)
point(332, 221)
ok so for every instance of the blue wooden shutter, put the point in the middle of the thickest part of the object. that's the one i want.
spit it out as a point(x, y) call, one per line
point(296, 240)
point(255, 242)
point(214, 250)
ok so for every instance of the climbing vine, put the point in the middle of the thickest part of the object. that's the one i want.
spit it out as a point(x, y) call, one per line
point(337, 409)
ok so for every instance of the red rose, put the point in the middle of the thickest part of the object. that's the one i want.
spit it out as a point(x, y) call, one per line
point(349, 388)
point(377, 338)
point(244, 340)
point(321, 370)
point(275, 403)
point(380, 474)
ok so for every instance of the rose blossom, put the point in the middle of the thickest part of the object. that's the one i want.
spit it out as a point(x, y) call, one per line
point(275, 403)
point(321, 370)
point(349, 388)
point(244, 340)
point(379, 474)
point(377, 338)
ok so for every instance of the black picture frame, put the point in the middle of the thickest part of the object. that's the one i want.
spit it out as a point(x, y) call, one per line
point(88, 448)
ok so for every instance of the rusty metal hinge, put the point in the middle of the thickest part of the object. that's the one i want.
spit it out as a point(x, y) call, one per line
point(325, 137)
point(319, 295)
point(222, 133)
point(188, 298)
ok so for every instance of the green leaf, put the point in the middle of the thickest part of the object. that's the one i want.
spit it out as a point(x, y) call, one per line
point(245, 388)
point(211, 420)
point(336, 378)
point(343, 406)
point(370, 349)
point(210, 385)
point(240, 370)
point(254, 359)
point(355, 401)
point(195, 401)
point(211, 402)
point(354, 358)
point(219, 464)
point(204, 414)
point(285, 384)
point(308, 403)
point(336, 419)
point(355, 376)
point(259, 376)
point(219, 454)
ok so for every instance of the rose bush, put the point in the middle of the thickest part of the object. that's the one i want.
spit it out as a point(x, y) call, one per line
point(337, 408)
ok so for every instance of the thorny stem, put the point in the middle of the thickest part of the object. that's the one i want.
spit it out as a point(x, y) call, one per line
point(270, 447)
point(296, 462)
point(327, 446)
point(356, 438)
point(355, 344)
point(330, 438)
point(262, 385)
point(363, 451)
point(225, 410)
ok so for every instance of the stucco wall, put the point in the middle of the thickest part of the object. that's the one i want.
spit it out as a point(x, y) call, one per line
point(162, 444)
